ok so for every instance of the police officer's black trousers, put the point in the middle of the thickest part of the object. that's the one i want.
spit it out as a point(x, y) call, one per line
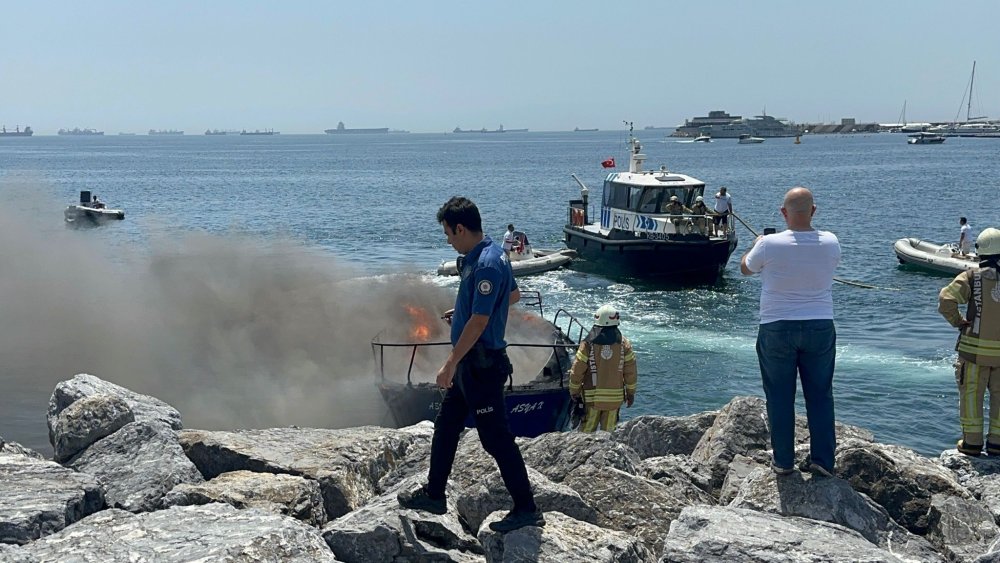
point(478, 387)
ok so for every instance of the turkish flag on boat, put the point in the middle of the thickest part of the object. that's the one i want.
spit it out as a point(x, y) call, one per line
point(609, 163)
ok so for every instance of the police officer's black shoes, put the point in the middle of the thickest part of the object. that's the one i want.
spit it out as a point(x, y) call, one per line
point(420, 499)
point(516, 519)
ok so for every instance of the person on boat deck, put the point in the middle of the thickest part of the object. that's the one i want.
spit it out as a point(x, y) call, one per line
point(476, 370)
point(96, 203)
point(965, 237)
point(699, 208)
point(604, 372)
point(508, 239)
point(723, 209)
point(675, 207)
point(978, 365)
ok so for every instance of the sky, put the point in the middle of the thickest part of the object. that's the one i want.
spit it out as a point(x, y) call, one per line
point(302, 66)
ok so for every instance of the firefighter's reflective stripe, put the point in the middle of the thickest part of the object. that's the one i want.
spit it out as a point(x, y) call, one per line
point(580, 356)
point(604, 395)
point(978, 346)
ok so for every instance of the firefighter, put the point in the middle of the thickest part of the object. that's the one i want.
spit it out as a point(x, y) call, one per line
point(699, 208)
point(603, 372)
point(676, 208)
point(978, 366)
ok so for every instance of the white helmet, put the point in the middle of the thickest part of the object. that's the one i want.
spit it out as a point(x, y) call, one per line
point(699, 198)
point(607, 315)
point(988, 242)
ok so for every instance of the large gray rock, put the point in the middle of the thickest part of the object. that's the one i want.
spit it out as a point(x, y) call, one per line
point(637, 505)
point(86, 421)
point(144, 407)
point(383, 531)
point(844, 432)
point(346, 463)
point(14, 448)
point(654, 436)
point(830, 500)
point(740, 428)
point(739, 470)
point(980, 475)
point(669, 466)
point(490, 495)
point(961, 528)
point(558, 454)
point(704, 534)
point(215, 532)
point(562, 539)
point(896, 478)
point(290, 495)
point(38, 497)
point(138, 465)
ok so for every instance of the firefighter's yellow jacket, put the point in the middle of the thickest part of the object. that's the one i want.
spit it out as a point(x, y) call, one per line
point(979, 342)
point(604, 373)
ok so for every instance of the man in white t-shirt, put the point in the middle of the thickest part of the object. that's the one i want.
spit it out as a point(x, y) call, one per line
point(965, 238)
point(723, 208)
point(508, 239)
point(796, 336)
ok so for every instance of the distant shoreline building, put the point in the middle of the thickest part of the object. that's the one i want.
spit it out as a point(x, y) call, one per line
point(720, 124)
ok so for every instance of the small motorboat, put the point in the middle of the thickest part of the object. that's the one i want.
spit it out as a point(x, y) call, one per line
point(923, 138)
point(939, 258)
point(748, 139)
point(703, 139)
point(90, 212)
point(523, 260)
point(541, 351)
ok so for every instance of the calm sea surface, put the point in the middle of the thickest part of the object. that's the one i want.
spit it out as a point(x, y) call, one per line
point(370, 201)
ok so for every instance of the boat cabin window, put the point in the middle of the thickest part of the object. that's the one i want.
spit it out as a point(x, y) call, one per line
point(648, 199)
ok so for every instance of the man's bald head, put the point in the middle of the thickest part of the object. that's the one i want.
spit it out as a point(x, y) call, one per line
point(798, 201)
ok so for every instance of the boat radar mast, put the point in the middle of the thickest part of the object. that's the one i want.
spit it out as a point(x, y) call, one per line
point(636, 158)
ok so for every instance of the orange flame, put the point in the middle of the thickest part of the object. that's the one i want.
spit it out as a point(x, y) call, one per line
point(421, 320)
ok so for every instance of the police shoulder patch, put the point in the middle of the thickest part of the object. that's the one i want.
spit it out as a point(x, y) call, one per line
point(485, 287)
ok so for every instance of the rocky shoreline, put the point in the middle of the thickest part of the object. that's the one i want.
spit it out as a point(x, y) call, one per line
point(129, 483)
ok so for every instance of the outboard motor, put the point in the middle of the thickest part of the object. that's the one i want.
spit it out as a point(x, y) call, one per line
point(84, 197)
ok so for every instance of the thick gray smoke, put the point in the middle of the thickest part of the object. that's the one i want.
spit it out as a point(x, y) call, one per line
point(233, 331)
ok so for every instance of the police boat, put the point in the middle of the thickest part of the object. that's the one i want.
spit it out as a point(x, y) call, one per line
point(637, 237)
point(541, 352)
point(89, 213)
point(524, 260)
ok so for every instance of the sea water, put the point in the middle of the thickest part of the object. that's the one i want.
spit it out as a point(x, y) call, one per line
point(367, 204)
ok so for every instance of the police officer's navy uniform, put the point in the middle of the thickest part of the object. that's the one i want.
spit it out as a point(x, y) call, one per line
point(487, 282)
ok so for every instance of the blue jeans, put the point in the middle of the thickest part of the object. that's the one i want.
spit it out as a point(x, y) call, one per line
point(807, 349)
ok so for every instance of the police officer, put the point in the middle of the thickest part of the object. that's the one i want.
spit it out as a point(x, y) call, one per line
point(676, 208)
point(604, 372)
point(476, 370)
point(699, 208)
point(978, 366)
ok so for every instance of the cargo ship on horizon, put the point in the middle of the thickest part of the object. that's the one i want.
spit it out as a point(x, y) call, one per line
point(17, 132)
point(259, 132)
point(78, 131)
point(165, 132)
point(485, 130)
point(344, 130)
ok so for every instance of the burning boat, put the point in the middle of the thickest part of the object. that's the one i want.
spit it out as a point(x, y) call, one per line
point(537, 395)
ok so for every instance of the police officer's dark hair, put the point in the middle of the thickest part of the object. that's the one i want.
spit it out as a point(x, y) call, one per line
point(460, 211)
point(962, 220)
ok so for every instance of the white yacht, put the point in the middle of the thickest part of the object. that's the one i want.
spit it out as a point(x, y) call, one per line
point(748, 139)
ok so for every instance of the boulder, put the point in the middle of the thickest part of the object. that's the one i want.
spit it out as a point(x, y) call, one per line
point(383, 531)
point(138, 465)
point(655, 436)
point(637, 505)
point(14, 448)
point(980, 475)
point(844, 432)
point(962, 529)
point(144, 407)
point(896, 478)
point(346, 463)
point(739, 469)
point(830, 500)
point(39, 497)
point(562, 539)
point(290, 495)
point(716, 534)
point(490, 495)
point(86, 421)
point(558, 454)
point(668, 467)
point(740, 428)
point(215, 532)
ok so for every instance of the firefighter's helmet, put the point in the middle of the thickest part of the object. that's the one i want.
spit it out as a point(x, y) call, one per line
point(607, 315)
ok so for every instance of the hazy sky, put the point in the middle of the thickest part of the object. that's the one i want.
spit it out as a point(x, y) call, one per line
point(300, 67)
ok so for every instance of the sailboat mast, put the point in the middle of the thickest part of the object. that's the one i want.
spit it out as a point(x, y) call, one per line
point(972, 80)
